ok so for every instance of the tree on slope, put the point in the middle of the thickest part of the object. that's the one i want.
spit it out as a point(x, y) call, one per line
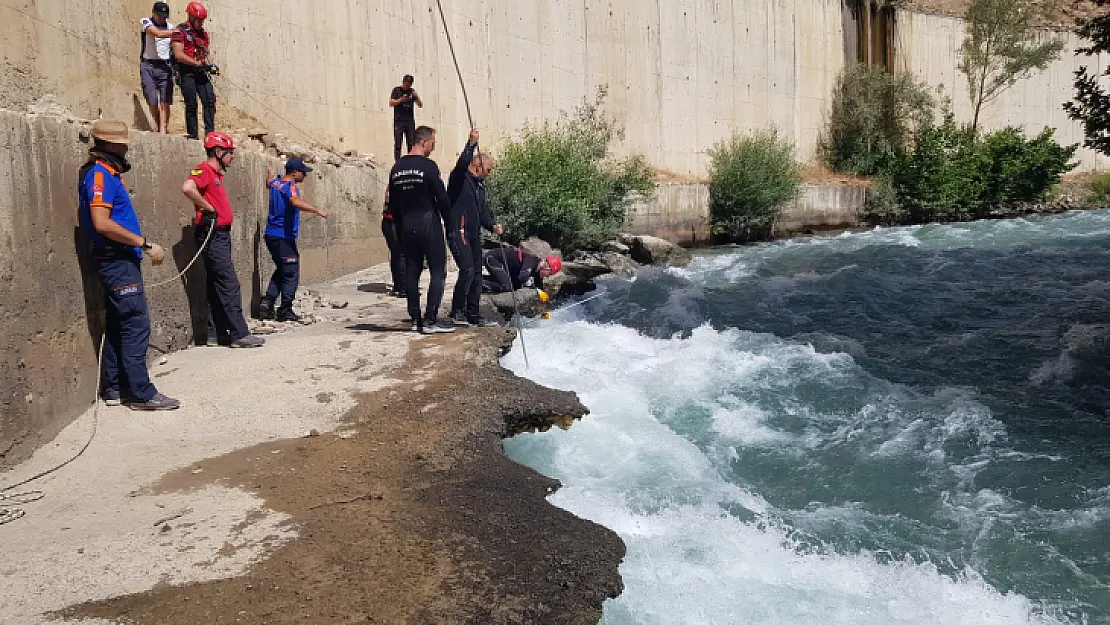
point(1092, 102)
point(1001, 48)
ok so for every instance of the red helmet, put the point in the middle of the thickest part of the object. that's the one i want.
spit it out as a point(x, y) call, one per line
point(555, 264)
point(218, 140)
point(197, 10)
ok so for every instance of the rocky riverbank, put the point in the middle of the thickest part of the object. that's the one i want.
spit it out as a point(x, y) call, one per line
point(350, 471)
point(620, 258)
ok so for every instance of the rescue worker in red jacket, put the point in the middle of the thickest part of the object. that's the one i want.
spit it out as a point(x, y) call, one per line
point(195, 69)
point(205, 188)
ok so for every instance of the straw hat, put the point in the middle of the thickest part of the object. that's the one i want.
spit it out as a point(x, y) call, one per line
point(110, 131)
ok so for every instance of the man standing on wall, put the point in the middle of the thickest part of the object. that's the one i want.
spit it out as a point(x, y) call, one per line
point(404, 115)
point(420, 206)
point(112, 226)
point(154, 69)
point(469, 214)
point(282, 227)
point(195, 67)
point(206, 190)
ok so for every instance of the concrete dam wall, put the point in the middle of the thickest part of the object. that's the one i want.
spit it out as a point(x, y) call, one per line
point(51, 312)
point(681, 74)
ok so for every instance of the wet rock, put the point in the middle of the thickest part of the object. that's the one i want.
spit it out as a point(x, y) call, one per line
point(649, 250)
point(614, 246)
point(539, 247)
point(527, 302)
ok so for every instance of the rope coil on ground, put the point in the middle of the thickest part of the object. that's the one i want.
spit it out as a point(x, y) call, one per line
point(10, 503)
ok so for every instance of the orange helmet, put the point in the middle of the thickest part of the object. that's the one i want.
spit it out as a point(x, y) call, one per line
point(218, 140)
point(197, 10)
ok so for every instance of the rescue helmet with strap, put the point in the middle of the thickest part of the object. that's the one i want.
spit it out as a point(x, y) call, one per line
point(197, 10)
point(218, 140)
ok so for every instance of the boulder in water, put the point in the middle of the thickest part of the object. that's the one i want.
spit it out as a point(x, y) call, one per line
point(649, 250)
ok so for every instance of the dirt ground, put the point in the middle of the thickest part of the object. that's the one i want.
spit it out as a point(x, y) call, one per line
point(404, 510)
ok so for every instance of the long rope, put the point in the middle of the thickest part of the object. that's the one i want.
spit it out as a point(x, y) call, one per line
point(9, 501)
point(470, 118)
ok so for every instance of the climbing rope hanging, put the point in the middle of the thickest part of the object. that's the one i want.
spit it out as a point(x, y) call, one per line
point(470, 119)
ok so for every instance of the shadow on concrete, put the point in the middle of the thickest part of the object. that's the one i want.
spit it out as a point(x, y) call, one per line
point(194, 283)
point(374, 287)
point(142, 122)
point(91, 287)
point(256, 273)
point(375, 327)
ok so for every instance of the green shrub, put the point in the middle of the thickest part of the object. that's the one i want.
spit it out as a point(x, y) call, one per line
point(881, 208)
point(750, 178)
point(558, 182)
point(952, 174)
point(1100, 190)
point(872, 119)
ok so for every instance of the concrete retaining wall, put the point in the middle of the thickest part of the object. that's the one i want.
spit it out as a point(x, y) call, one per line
point(679, 212)
point(929, 46)
point(50, 308)
point(682, 73)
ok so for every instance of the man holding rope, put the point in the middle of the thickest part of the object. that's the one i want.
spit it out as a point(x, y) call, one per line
point(118, 245)
point(469, 214)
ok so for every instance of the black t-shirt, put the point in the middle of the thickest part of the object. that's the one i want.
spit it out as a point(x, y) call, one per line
point(405, 111)
point(417, 197)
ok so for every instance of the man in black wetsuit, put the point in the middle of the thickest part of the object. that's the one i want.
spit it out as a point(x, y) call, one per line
point(420, 209)
point(469, 214)
point(511, 268)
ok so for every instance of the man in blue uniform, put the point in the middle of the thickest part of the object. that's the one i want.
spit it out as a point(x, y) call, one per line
point(112, 227)
point(282, 228)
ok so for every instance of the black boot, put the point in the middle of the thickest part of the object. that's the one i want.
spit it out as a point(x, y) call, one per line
point(266, 309)
point(287, 314)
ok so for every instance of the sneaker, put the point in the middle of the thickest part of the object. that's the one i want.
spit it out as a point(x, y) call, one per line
point(417, 326)
point(287, 315)
point(266, 310)
point(484, 323)
point(396, 293)
point(437, 328)
point(111, 397)
point(249, 340)
point(158, 402)
point(459, 320)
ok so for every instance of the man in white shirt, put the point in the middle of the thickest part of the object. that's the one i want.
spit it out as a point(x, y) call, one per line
point(155, 69)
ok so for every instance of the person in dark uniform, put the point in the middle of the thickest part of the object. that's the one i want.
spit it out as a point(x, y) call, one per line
point(283, 224)
point(404, 115)
point(109, 221)
point(469, 214)
point(420, 208)
point(396, 253)
point(205, 189)
point(511, 268)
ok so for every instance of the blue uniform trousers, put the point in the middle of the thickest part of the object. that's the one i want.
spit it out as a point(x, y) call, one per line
point(126, 328)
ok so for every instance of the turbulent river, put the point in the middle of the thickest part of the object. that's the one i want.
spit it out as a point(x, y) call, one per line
point(900, 426)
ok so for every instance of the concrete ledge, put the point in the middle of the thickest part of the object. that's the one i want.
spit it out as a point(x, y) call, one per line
point(680, 212)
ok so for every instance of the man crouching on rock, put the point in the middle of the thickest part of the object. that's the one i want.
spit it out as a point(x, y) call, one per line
point(112, 226)
point(469, 214)
point(511, 268)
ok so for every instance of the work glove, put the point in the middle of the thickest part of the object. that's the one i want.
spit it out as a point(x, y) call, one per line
point(544, 297)
point(156, 254)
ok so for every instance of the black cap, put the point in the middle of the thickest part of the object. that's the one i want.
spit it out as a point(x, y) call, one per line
point(296, 164)
point(161, 8)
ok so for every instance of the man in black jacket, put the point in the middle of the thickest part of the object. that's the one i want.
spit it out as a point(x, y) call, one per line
point(419, 204)
point(469, 214)
point(512, 268)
